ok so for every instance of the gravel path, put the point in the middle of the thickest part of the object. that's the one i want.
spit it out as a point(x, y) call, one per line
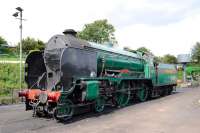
point(177, 113)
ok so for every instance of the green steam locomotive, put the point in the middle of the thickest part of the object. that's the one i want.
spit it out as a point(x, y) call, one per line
point(72, 73)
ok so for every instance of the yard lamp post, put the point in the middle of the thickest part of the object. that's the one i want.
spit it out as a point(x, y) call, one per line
point(19, 12)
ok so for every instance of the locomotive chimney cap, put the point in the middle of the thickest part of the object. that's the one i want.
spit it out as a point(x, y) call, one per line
point(70, 31)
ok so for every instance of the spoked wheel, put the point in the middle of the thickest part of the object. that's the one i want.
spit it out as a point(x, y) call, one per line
point(142, 93)
point(123, 95)
point(99, 105)
point(64, 111)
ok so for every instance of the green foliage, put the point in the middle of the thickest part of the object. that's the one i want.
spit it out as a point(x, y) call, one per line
point(8, 100)
point(3, 48)
point(144, 50)
point(180, 75)
point(12, 57)
point(158, 59)
point(9, 78)
point(196, 53)
point(171, 59)
point(100, 31)
point(194, 71)
point(29, 44)
point(129, 49)
point(2, 41)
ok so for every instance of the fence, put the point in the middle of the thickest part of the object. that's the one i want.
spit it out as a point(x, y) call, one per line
point(9, 81)
point(9, 96)
point(10, 62)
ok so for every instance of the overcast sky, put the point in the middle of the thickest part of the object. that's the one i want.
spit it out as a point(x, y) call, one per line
point(163, 26)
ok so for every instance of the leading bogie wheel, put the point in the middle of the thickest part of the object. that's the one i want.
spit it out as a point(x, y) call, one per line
point(64, 111)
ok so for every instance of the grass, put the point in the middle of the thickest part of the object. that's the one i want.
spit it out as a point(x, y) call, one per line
point(11, 57)
point(9, 100)
point(9, 78)
point(180, 75)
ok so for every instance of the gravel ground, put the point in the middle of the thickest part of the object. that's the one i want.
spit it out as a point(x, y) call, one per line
point(177, 113)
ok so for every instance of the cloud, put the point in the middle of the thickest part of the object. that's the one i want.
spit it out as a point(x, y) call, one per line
point(164, 26)
point(48, 17)
point(175, 38)
point(155, 12)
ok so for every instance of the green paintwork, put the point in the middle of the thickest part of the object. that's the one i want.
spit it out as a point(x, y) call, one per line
point(150, 72)
point(99, 104)
point(142, 93)
point(147, 70)
point(117, 59)
point(115, 51)
point(64, 109)
point(136, 67)
point(118, 63)
point(167, 74)
point(123, 94)
point(92, 90)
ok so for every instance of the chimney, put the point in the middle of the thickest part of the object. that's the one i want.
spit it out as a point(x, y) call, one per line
point(70, 32)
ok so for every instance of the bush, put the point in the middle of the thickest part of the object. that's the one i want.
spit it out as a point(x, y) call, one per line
point(195, 84)
point(9, 100)
point(9, 78)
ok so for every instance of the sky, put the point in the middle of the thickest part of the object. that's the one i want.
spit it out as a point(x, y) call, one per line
point(163, 26)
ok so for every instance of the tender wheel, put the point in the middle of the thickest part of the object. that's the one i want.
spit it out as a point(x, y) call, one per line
point(170, 89)
point(64, 111)
point(123, 95)
point(142, 93)
point(99, 105)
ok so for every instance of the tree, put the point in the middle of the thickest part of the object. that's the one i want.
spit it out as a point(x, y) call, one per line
point(144, 50)
point(31, 44)
point(158, 59)
point(169, 59)
point(196, 53)
point(3, 46)
point(100, 31)
point(2, 41)
point(129, 49)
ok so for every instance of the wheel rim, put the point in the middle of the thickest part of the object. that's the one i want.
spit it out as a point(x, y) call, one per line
point(64, 111)
point(142, 94)
point(123, 95)
point(99, 104)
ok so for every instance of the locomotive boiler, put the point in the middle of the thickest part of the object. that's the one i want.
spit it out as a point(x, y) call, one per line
point(72, 73)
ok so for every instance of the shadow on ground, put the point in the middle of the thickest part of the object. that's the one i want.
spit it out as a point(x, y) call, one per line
point(108, 110)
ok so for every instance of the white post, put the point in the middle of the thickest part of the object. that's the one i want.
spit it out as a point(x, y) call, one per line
point(19, 11)
point(20, 50)
point(184, 72)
